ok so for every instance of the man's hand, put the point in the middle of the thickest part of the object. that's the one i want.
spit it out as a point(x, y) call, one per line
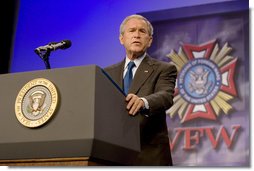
point(134, 104)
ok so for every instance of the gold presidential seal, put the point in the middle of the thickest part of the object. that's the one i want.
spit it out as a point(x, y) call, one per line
point(36, 102)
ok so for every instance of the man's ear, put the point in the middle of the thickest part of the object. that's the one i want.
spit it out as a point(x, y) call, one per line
point(121, 39)
point(150, 41)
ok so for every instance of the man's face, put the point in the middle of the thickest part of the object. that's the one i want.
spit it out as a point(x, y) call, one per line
point(136, 38)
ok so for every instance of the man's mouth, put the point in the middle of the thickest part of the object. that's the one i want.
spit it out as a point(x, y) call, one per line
point(136, 42)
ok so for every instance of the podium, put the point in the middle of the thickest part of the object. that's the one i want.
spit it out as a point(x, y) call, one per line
point(90, 125)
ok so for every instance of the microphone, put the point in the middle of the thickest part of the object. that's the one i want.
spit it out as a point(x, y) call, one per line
point(54, 46)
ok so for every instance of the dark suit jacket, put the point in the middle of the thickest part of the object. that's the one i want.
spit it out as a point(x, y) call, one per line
point(155, 81)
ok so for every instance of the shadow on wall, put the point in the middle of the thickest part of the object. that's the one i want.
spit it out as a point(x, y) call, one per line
point(7, 21)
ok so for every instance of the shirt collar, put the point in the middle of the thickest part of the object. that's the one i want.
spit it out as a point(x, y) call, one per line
point(137, 61)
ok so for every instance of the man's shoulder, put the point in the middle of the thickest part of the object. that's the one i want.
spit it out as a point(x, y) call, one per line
point(160, 63)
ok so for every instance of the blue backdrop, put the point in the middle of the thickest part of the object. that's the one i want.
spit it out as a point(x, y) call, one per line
point(91, 25)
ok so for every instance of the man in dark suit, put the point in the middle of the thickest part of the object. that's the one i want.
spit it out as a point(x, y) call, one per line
point(149, 89)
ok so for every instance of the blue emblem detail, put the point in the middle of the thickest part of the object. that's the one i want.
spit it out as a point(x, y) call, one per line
point(199, 81)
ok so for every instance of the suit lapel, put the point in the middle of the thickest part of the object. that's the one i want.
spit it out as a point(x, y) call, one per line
point(143, 72)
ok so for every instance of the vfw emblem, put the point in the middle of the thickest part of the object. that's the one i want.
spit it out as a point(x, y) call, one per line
point(204, 89)
point(205, 83)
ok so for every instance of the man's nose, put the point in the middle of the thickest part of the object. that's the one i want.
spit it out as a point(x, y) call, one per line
point(136, 34)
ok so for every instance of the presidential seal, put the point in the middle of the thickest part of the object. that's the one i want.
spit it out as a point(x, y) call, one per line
point(36, 102)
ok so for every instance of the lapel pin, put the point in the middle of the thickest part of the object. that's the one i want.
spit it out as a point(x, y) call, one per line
point(146, 71)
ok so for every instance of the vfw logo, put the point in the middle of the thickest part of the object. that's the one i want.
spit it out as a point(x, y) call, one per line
point(204, 89)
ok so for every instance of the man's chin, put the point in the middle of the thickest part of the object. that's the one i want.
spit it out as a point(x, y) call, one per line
point(137, 51)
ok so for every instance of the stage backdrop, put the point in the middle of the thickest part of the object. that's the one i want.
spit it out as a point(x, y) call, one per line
point(209, 124)
point(91, 25)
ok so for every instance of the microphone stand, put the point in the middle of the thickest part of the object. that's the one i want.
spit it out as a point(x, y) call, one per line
point(44, 55)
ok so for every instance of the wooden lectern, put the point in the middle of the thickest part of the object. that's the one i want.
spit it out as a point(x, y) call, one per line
point(89, 127)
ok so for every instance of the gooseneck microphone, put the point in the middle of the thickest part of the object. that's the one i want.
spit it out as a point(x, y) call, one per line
point(53, 46)
point(44, 51)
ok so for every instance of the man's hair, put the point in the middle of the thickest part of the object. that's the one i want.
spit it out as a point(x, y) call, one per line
point(149, 25)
